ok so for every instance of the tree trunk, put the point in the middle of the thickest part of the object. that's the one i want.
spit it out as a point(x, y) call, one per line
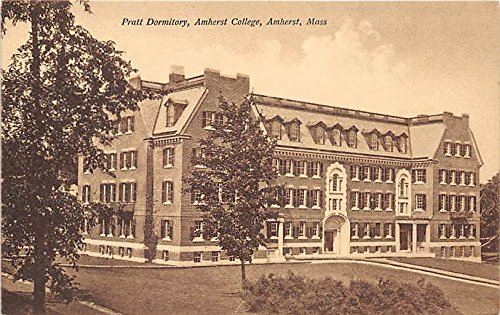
point(243, 272)
point(39, 295)
point(39, 276)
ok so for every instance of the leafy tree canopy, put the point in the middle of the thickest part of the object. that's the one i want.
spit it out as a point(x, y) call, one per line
point(235, 180)
point(59, 94)
point(490, 205)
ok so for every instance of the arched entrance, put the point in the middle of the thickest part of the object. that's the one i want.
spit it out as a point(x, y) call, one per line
point(336, 235)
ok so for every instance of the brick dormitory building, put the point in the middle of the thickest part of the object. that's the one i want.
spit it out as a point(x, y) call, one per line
point(358, 184)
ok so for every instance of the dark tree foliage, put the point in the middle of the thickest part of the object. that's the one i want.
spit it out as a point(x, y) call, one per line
point(490, 212)
point(59, 95)
point(235, 182)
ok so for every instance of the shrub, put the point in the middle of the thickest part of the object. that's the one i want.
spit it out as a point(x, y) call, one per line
point(294, 294)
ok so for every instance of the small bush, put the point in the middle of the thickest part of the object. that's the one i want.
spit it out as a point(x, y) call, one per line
point(294, 294)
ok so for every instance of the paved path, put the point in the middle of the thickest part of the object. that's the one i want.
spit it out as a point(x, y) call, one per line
point(78, 307)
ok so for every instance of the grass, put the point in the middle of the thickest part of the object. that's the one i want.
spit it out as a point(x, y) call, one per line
point(482, 270)
point(216, 290)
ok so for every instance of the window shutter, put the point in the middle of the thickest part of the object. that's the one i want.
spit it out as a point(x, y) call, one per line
point(309, 169)
point(165, 157)
point(309, 198)
point(309, 232)
point(295, 231)
point(113, 196)
point(172, 192)
point(321, 198)
point(353, 198)
point(295, 165)
point(162, 229)
point(424, 202)
point(320, 231)
point(172, 151)
point(295, 198)
point(134, 161)
point(320, 169)
point(164, 192)
point(133, 227)
point(132, 121)
point(171, 229)
point(101, 193)
point(134, 192)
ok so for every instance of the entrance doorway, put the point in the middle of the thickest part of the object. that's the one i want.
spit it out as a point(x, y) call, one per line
point(405, 237)
point(336, 235)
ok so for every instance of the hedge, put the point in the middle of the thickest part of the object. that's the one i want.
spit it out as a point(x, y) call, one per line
point(294, 294)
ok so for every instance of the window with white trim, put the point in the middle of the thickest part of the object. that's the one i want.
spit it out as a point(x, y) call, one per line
point(467, 152)
point(126, 227)
point(458, 146)
point(442, 176)
point(170, 115)
point(168, 157)
point(302, 198)
point(315, 193)
point(215, 256)
point(320, 135)
point(167, 192)
point(373, 141)
point(452, 178)
point(420, 202)
point(352, 141)
point(388, 143)
point(354, 231)
point(377, 174)
point(354, 172)
point(442, 231)
point(302, 229)
point(198, 231)
point(447, 148)
point(86, 194)
point(107, 193)
point(287, 229)
point(366, 230)
point(272, 229)
point(442, 202)
point(275, 129)
point(354, 200)
point(388, 232)
point(294, 132)
point(315, 230)
point(128, 192)
point(128, 160)
point(197, 257)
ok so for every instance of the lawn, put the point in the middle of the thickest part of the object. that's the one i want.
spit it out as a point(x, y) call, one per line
point(483, 270)
point(214, 290)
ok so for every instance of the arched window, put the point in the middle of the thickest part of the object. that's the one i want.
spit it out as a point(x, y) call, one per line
point(403, 188)
point(294, 132)
point(336, 137)
point(351, 139)
point(320, 135)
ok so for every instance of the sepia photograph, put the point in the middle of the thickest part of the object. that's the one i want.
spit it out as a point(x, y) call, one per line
point(250, 157)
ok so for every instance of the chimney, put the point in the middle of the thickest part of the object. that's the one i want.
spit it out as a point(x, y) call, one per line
point(176, 74)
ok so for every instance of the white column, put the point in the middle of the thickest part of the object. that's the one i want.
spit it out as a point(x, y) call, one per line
point(281, 221)
point(414, 238)
point(397, 236)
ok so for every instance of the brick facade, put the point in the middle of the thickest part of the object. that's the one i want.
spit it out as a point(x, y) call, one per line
point(381, 193)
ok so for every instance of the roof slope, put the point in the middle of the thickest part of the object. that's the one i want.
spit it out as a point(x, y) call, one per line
point(425, 139)
point(148, 110)
point(191, 97)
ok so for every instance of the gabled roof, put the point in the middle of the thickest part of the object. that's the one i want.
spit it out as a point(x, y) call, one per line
point(190, 98)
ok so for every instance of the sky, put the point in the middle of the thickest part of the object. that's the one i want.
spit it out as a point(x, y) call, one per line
point(394, 58)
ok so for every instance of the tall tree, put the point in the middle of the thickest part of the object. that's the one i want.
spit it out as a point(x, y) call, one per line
point(59, 93)
point(490, 212)
point(234, 188)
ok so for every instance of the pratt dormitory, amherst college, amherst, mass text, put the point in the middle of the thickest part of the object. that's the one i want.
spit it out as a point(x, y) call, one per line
point(358, 184)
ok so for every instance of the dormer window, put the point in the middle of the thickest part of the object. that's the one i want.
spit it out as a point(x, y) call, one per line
point(389, 146)
point(276, 129)
point(294, 134)
point(403, 143)
point(174, 108)
point(170, 115)
point(352, 140)
point(373, 141)
point(336, 137)
point(320, 135)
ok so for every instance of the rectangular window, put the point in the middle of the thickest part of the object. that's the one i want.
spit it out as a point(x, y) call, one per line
point(452, 149)
point(365, 200)
point(318, 169)
point(167, 192)
point(86, 194)
point(457, 145)
point(420, 202)
point(215, 256)
point(447, 148)
point(302, 229)
point(272, 229)
point(294, 134)
point(442, 231)
point(376, 230)
point(377, 174)
point(170, 113)
point(442, 177)
point(287, 229)
point(315, 197)
point(442, 202)
point(354, 230)
point(302, 197)
point(288, 167)
point(452, 178)
point(467, 150)
point(420, 175)
point(166, 232)
point(168, 157)
point(354, 200)
point(197, 256)
point(315, 230)
point(354, 172)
